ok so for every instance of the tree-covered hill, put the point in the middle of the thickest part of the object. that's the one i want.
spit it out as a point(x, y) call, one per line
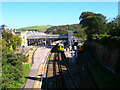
point(40, 28)
point(70, 27)
point(77, 30)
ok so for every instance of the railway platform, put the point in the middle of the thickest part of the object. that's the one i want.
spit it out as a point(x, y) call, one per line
point(39, 57)
point(70, 55)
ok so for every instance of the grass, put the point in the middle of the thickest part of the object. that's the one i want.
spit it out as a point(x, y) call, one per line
point(49, 55)
point(48, 58)
point(102, 76)
point(40, 28)
point(106, 80)
point(25, 71)
point(18, 83)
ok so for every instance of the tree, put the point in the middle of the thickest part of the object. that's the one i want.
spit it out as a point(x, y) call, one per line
point(79, 33)
point(94, 23)
point(60, 31)
point(7, 36)
point(114, 27)
point(11, 40)
point(12, 69)
point(16, 40)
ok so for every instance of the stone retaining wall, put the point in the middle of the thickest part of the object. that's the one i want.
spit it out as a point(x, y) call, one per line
point(108, 56)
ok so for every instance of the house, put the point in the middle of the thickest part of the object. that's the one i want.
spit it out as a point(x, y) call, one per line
point(23, 35)
point(3, 27)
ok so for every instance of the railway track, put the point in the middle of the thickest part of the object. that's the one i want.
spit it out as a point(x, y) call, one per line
point(53, 74)
point(67, 77)
point(60, 74)
point(80, 72)
point(57, 74)
point(83, 65)
point(75, 85)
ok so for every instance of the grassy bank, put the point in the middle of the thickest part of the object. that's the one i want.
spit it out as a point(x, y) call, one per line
point(26, 69)
point(102, 76)
point(40, 28)
point(21, 80)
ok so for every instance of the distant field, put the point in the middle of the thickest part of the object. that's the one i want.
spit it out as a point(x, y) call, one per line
point(40, 28)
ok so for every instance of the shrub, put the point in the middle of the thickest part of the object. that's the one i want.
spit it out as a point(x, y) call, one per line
point(12, 69)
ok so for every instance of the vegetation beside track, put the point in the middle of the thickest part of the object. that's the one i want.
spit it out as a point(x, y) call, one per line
point(13, 70)
point(103, 77)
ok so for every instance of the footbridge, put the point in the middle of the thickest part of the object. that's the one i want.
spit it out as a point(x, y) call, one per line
point(43, 36)
point(38, 38)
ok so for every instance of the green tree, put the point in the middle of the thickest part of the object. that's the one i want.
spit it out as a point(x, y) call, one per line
point(7, 36)
point(60, 31)
point(12, 69)
point(114, 27)
point(16, 40)
point(111, 27)
point(80, 33)
point(4, 45)
point(11, 40)
point(94, 23)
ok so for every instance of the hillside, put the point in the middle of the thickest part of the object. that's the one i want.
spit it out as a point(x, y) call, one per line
point(71, 27)
point(78, 30)
point(40, 28)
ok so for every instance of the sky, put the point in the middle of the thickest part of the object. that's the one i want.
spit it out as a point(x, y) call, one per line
point(23, 14)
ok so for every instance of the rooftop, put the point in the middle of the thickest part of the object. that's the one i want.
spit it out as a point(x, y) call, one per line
point(3, 25)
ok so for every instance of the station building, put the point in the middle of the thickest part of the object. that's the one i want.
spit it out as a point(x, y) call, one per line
point(22, 34)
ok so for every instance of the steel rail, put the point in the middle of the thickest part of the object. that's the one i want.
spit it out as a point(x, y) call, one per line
point(70, 73)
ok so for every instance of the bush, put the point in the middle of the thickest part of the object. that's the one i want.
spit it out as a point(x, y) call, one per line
point(12, 69)
point(107, 40)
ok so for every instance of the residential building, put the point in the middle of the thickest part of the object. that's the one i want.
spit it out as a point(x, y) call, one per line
point(3, 27)
point(23, 35)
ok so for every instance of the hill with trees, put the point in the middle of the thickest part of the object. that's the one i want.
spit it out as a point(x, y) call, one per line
point(77, 29)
